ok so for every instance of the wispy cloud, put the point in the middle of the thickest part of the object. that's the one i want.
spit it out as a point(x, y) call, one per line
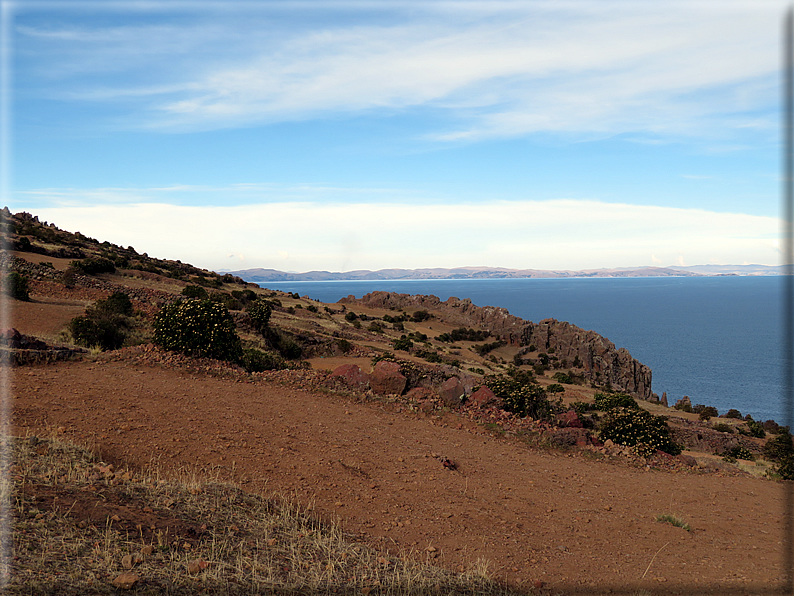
point(496, 69)
point(558, 234)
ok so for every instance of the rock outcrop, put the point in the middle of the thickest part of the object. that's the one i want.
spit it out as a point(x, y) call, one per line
point(600, 360)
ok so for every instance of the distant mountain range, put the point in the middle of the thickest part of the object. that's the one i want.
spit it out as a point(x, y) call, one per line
point(260, 275)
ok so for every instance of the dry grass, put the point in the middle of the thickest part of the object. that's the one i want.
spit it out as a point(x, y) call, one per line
point(188, 536)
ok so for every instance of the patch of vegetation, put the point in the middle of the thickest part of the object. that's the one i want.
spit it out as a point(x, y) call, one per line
point(57, 554)
point(198, 328)
point(15, 285)
point(94, 265)
point(344, 345)
point(197, 292)
point(375, 327)
point(260, 310)
point(105, 325)
point(483, 349)
point(555, 388)
point(738, 452)
point(464, 334)
point(723, 428)
point(705, 412)
point(779, 448)
point(254, 360)
point(628, 426)
point(754, 429)
point(562, 377)
point(673, 521)
point(404, 344)
point(608, 401)
point(430, 356)
point(350, 316)
point(733, 413)
point(421, 315)
point(521, 395)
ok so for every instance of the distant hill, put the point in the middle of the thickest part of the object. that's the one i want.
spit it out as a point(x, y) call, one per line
point(736, 269)
point(260, 275)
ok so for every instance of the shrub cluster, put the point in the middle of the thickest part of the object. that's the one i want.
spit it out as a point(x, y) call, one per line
point(94, 265)
point(628, 426)
point(197, 292)
point(260, 310)
point(738, 452)
point(421, 315)
point(105, 325)
point(16, 286)
point(404, 343)
point(608, 401)
point(254, 360)
point(521, 396)
point(483, 349)
point(198, 328)
point(463, 334)
point(562, 377)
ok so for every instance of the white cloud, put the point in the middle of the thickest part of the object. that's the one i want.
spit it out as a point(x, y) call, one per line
point(498, 69)
point(557, 234)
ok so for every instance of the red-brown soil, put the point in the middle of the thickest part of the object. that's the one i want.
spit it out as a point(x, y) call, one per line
point(574, 520)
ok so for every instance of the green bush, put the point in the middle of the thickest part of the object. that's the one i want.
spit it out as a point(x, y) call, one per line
point(707, 412)
point(522, 398)
point(350, 316)
point(254, 360)
point(733, 413)
point(738, 452)
point(779, 448)
point(404, 344)
point(105, 325)
point(16, 286)
point(628, 426)
point(786, 468)
point(198, 328)
point(421, 315)
point(94, 265)
point(344, 345)
point(260, 310)
point(555, 388)
point(463, 334)
point(197, 292)
point(723, 428)
point(755, 429)
point(244, 296)
point(562, 377)
point(608, 401)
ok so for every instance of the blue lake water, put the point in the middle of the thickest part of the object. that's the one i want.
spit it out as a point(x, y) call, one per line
point(716, 339)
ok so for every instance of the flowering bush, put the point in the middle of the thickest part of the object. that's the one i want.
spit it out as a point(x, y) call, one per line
point(198, 328)
point(260, 310)
point(631, 427)
point(520, 397)
point(608, 401)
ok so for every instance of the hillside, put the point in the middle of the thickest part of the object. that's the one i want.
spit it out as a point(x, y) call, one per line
point(373, 411)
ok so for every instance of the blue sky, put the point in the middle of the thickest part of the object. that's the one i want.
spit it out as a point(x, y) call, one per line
point(364, 135)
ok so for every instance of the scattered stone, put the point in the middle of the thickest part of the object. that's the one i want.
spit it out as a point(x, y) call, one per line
point(687, 460)
point(569, 419)
point(126, 561)
point(484, 397)
point(196, 566)
point(386, 379)
point(352, 376)
point(451, 392)
point(147, 550)
point(126, 580)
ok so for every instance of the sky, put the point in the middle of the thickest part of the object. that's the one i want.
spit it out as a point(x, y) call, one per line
point(341, 135)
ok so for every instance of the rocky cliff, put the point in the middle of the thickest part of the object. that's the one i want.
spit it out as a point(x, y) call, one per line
point(600, 360)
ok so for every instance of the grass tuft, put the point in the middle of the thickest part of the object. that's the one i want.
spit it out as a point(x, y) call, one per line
point(674, 521)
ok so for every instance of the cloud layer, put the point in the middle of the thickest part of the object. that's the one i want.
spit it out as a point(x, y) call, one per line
point(559, 234)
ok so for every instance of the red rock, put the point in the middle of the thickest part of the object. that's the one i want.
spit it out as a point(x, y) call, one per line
point(484, 397)
point(126, 580)
point(386, 379)
point(569, 419)
point(352, 376)
point(451, 392)
point(687, 460)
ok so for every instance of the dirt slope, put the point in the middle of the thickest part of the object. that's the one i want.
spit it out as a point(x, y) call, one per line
point(567, 519)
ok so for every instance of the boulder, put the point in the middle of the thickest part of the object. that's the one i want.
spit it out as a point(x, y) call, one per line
point(569, 419)
point(484, 397)
point(386, 379)
point(664, 399)
point(687, 460)
point(352, 376)
point(684, 404)
point(451, 392)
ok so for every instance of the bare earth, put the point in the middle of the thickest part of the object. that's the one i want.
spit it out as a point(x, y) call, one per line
point(577, 522)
